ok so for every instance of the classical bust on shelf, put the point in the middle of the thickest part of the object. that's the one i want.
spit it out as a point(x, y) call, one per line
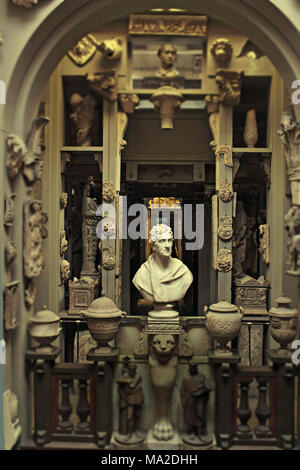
point(167, 54)
point(162, 279)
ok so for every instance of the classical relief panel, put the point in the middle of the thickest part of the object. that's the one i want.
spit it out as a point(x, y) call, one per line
point(34, 232)
point(178, 25)
point(84, 50)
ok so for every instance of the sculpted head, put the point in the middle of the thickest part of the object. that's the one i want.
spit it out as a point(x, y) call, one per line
point(167, 54)
point(161, 240)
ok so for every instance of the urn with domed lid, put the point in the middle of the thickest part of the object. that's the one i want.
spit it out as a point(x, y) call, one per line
point(223, 322)
point(103, 318)
point(283, 322)
point(44, 328)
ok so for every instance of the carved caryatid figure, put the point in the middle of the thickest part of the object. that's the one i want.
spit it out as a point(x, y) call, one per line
point(130, 404)
point(163, 361)
point(168, 55)
point(292, 226)
point(89, 236)
point(162, 279)
point(83, 113)
point(194, 398)
point(34, 220)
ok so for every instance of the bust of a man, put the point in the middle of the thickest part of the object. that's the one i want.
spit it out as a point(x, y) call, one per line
point(167, 54)
point(162, 279)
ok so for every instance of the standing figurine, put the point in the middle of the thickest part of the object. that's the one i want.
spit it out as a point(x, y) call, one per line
point(194, 397)
point(130, 403)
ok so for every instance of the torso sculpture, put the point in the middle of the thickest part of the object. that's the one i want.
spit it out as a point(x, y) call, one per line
point(162, 279)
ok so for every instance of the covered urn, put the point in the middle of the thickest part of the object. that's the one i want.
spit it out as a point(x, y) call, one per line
point(283, 322)
point(44, 328)
point(103, 318)
point(223, 322)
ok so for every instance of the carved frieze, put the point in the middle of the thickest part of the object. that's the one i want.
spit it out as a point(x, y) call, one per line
point(104, 83)
point(289, 133)
point(226, 150)
point(179, 25)
point(221, 50)
point(83, 50)
point(111, 48)
point(34, 232)
point(229, 83)
point(10, 252)
point(128, 102)
point(82, 116)
point(63, 242)
point(226, 191)
point(9, 209)
point(108, 191)
point(264, 242)
point(65, 270)
point(225, 230)
point(12, 305)
point(224, 260)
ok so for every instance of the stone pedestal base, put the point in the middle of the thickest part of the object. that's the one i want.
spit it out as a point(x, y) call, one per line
point(117, 445)
point(185, 445)
point(155, 444)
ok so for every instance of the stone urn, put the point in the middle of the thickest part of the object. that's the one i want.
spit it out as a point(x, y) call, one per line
point(44, 329)
point(250, 130)
point(223, 322)
point(283, 322)
point(103, 318)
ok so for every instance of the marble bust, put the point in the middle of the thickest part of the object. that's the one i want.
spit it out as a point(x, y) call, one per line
point(162, 279)
point(167, 54)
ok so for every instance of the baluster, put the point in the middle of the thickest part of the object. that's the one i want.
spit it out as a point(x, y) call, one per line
point(243, 412)
point(65, 408)
point(83, 407)
point(262, 411)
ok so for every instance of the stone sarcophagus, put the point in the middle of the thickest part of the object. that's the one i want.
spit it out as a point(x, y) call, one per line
point(252, 294)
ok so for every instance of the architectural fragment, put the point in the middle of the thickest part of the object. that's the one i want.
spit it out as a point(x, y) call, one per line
point(221, 50)
point(83, 50)
point(26, 3)
point(63, 242)
point(166, 99)
point(89, 223)
point(108, 191)
point(128, 102)
point(10, 252)
point(264, 242)
point(63, 200)
point(33, 163)
point(229, 83)
point(292, 226)
point(65, 270)
point(11, 422)
point(104, 83)
point(225, 230)
point(9, 209)
point(289, 133)
point(17, 151)
point(226, 191)
point(82, 116)
point(224, 260)
point(226, 150)
point(82, 293)
point(111, 48)
point(251, 294)
point(30, 294)
point(34, 232)
point(12, 305)
point(179, 25)
point(250, 130)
